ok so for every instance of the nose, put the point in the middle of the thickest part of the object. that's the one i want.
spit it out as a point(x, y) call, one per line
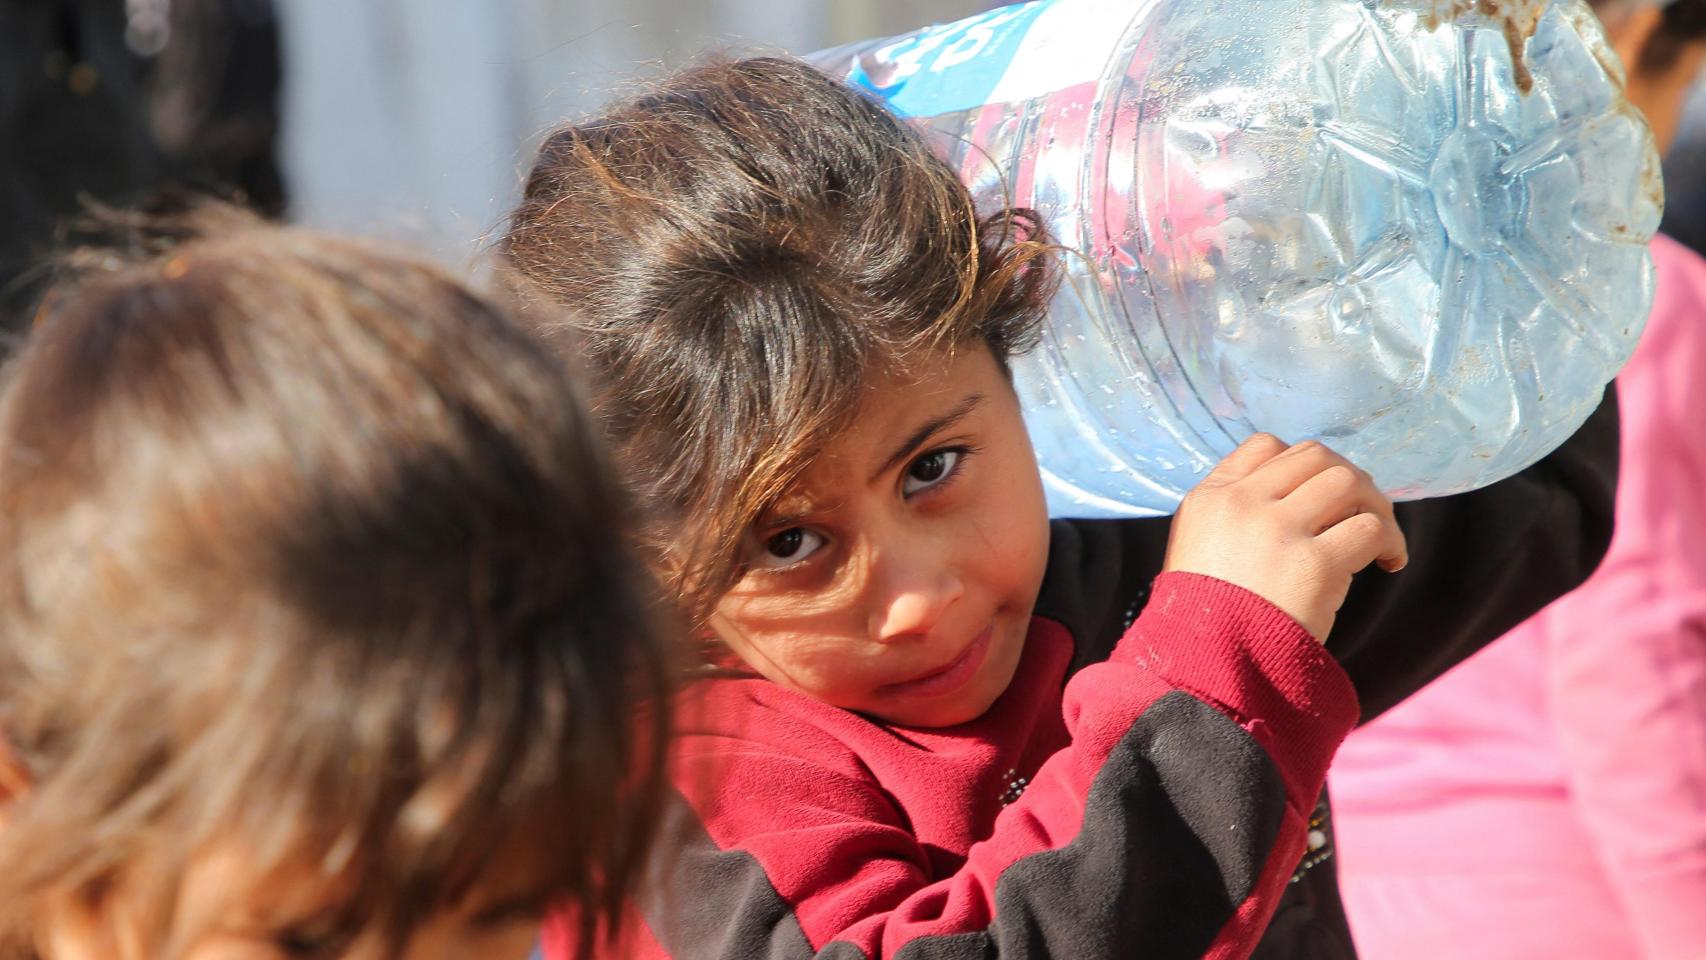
point(914, 584)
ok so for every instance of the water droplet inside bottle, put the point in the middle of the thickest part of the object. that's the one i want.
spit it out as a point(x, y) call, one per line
point(1350, 311)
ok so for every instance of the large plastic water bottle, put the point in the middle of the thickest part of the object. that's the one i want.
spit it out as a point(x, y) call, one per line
point(1415, 229)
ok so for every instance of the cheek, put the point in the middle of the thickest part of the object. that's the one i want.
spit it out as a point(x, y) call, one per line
point(1012, 516)
point(805, 650)
point(1012, 557)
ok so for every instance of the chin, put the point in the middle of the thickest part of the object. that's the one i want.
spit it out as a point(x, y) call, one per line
point(943, 716)
point(968, 705)
point(965, 711)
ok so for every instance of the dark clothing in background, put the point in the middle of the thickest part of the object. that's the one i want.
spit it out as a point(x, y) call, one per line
point(126, 104)
point(1685, 185)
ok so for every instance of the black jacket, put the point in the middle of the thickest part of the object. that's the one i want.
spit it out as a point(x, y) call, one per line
point(1480, 563)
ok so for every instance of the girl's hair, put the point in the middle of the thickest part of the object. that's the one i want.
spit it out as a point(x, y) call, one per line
point(1683, 24)
point(309, 549)
point(741, 247)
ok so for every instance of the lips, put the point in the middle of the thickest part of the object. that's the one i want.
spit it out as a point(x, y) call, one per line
point(949, 678)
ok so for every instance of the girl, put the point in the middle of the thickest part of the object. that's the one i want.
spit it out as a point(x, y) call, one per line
point(318, 636)
point(941, 725)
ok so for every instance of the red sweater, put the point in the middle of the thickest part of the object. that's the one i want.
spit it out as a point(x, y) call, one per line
point(1159, 798)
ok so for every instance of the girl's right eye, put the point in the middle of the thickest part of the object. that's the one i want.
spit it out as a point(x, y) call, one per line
point(788, 547)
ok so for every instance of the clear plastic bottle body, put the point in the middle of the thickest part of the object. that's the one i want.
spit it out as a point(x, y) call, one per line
point(1415, 229)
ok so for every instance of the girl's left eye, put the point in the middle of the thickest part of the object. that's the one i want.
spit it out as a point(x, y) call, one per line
point(929, 470)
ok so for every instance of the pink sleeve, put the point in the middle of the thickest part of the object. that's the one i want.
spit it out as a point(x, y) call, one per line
point(1627, 653)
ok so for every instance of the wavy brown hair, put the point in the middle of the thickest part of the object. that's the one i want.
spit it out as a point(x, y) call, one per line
point(309, 547)
point(741, 247)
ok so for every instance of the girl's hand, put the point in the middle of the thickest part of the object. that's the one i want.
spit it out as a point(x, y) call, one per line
point(1290, 524)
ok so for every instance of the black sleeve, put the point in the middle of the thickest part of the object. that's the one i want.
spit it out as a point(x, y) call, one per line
point(1480, 563)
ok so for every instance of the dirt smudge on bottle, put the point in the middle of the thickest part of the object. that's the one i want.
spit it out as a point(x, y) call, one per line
point(1516, 20)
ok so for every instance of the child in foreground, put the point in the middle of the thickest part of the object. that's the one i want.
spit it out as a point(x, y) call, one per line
point(942, 726)
point(318, 632)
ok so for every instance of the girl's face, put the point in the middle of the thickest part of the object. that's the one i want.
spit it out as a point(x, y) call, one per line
point(897, 578)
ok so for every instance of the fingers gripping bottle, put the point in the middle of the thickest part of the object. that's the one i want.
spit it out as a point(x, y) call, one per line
point(1414, 229)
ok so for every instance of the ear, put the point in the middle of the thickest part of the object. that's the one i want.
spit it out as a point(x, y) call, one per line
point(14, 781)
point(14, 778)
point(69, 927)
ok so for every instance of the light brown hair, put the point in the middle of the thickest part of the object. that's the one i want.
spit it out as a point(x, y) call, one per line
point(307, 545)
point(741, 247)
point(1681, 25)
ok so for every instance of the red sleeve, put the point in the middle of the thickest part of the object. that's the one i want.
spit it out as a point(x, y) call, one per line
point(1169, 824)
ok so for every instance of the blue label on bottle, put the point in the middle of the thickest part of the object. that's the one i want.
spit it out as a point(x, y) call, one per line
point(946, 68)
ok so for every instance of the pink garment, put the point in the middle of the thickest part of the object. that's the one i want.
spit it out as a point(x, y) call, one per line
point(1547, 798)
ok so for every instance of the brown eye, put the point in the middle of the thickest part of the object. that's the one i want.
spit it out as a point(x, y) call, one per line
point(784, 545)
point(791, 546)
point(929, 470)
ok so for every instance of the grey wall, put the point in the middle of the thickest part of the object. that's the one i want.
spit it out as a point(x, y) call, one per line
point(415, 118)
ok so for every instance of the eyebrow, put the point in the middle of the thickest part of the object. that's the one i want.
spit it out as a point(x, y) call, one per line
point(925, 430)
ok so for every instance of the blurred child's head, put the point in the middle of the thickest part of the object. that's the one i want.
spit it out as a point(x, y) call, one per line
point(1663, 47)
point(318, 632)
point(777, 286)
